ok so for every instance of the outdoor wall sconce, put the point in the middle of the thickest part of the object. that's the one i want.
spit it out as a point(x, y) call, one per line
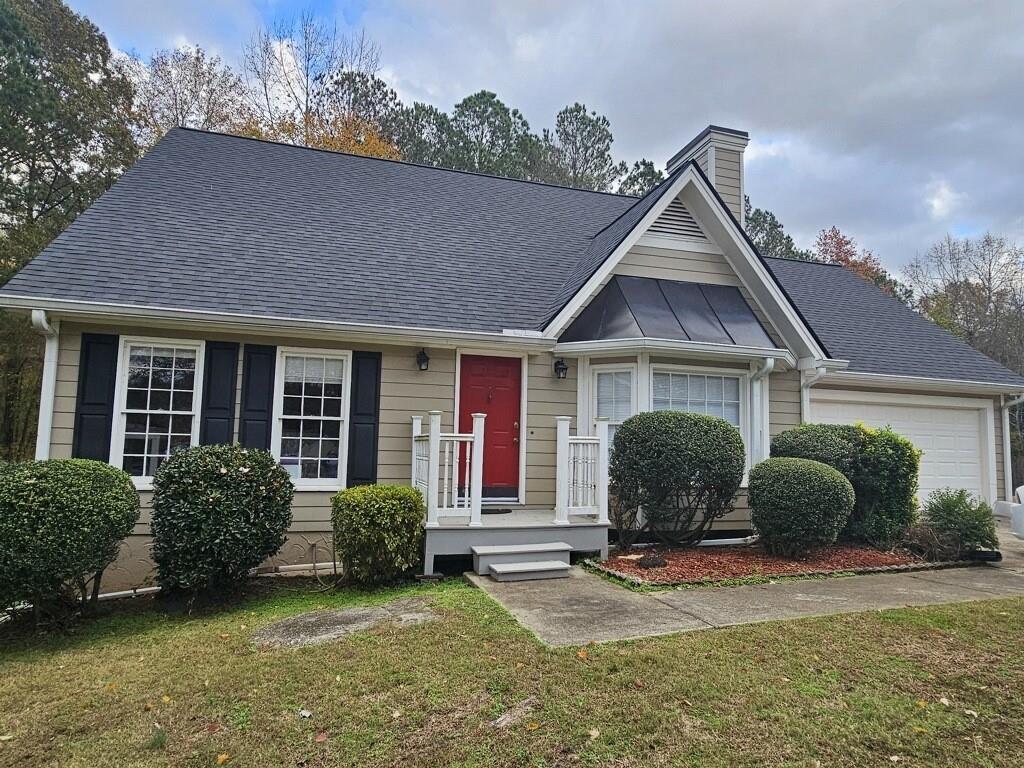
point(561, 368)
point(422, 360)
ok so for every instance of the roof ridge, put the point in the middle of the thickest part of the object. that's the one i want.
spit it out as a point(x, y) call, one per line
point(272, 142)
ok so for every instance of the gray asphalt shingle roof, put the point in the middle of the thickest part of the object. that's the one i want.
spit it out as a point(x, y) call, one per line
point(876, 332)
point(215, 223)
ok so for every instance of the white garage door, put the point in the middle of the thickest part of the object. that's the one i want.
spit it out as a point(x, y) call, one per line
point(951, 439)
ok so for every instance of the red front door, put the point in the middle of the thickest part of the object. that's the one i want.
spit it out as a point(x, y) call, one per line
point(493, 385)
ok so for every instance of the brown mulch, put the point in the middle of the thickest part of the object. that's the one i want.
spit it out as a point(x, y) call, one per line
point(737, 562)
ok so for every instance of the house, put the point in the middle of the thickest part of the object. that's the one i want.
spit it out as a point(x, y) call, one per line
point(370, 320)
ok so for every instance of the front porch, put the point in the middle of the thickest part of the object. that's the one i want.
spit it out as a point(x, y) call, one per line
point(447, 467)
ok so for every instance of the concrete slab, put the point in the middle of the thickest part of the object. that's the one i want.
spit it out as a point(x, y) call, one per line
point(586, 608)
point(326, 626)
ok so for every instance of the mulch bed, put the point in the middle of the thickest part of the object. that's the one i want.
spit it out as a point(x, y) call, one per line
point(714, 564)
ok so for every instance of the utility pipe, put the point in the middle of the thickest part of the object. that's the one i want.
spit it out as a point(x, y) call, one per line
point(48, 390)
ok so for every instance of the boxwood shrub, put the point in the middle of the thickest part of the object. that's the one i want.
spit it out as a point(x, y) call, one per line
point(378, 532)
point(881, 465)
point(959, 522)
point(61, 524)
point(218, 512)
point(798, 505)
point(681, 469)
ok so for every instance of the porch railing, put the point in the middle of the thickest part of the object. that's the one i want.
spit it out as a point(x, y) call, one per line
point(448, 468)
point(581, 475)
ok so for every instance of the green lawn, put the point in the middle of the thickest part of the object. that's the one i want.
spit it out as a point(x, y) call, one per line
point(141, 687)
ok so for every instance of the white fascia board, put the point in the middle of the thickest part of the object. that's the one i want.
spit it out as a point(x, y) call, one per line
point(691, 348)
point(597, 280)
point(751, 270)
point(163, 317)
point(922, 383)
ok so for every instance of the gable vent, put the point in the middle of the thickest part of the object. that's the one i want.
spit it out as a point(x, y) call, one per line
point(676, 221)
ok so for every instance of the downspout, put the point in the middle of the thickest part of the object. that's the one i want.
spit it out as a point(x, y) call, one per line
point(1007, 458)
point(760, 407)
point(50, 331)
point(808, 380)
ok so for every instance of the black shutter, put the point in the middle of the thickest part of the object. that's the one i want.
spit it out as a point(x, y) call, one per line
point(257, 396)
point(365, 418)
point(94, 406)
point(220, 371)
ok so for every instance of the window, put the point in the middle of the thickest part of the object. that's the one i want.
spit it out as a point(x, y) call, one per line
point(613, 397)
point(312, 407)
point(158, 386)
point(697, 393)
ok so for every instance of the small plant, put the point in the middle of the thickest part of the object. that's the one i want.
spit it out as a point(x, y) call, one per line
point(953, 525)
point(61, 524)
point(652, 560)
point(681, 469)
point(798, 505)
point(378, 532)
point(881, 465)
point(218, 512)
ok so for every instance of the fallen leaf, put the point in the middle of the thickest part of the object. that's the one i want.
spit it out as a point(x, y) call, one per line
point(971, 712)
point(594, 733)
point(165, 699)
point(320, 738)
point(582, 654)
point(638, 683)
point(919, 729)
point(533, 725)
point(493, 658)
point(147, 707)
point(111, 686)
point(894, 758)
point(223, 758)
point(921, 703)
point(212, 727)
point(225, 636)
point(337, 678)
point(7, 737)
point(944, 701)
point(305, 713)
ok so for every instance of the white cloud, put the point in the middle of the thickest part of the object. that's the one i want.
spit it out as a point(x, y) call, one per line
point(942, 199)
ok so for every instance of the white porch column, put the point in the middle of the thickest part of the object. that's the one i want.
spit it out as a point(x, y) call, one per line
point(417, 430)
point(433, 465)
point(562, 470)
point(602, 470)
point(476, 471)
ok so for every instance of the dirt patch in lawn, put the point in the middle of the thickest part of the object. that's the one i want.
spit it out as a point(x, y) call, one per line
point(326, 626)
point(729, 563)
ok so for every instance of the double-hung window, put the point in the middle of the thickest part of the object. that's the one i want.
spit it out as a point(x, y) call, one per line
point(716, 395)
point(614, 394)
point(311, 416)
point(158, 391)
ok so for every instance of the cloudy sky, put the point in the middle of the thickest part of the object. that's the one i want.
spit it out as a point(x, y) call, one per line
point(896, 121)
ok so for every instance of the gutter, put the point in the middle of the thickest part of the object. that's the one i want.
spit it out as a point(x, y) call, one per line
point(759, 407)
point(807, 380)
point(48, 390)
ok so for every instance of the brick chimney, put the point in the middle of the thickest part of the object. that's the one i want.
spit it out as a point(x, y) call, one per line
point(719, 153)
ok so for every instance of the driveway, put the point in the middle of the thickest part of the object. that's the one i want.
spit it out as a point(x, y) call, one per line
point(586, 608)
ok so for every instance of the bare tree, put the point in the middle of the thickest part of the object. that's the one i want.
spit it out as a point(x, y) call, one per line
point(185, 87)
point(290, 69)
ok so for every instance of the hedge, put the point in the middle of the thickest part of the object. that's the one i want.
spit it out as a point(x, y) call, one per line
point(881, 465)
point(218, 512)
point(798, 505)
point(61, 524)
point(378, 532)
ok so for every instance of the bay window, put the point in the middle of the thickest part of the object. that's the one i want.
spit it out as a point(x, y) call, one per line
point(697, 393)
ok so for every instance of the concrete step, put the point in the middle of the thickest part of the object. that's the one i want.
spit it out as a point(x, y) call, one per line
point(536, 569)
point(486, 556)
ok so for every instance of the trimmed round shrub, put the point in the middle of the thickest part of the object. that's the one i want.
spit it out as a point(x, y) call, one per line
point(798, 505)
point(960, 524)
point(881, 465)
point(378, 532)
point(61, 524)
point(218, 512)
point(681, 469)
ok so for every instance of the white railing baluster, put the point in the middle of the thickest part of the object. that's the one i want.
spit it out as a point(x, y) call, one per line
point(601, 486)
point(563, 470)
point(433, 460)
point(476, 470)
point(448, 469)
point(581, 472)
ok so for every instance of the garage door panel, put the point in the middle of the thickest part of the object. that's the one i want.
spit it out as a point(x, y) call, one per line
point(949, 438)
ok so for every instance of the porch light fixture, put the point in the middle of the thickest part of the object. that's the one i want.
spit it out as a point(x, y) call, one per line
point(561, 368)
point(422, 360)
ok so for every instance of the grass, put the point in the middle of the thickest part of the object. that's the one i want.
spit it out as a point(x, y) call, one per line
point(141, 687)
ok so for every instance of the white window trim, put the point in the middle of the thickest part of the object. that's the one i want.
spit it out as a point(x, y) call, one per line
point(743, 375)
point(632, 369)
point(145, 483)
point(309, 484)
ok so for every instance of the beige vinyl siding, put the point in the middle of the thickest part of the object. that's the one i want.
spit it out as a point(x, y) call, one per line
point(783, 401)
point(727, 179)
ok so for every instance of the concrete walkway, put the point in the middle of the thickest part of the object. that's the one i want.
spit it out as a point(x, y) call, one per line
point(586, 608)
